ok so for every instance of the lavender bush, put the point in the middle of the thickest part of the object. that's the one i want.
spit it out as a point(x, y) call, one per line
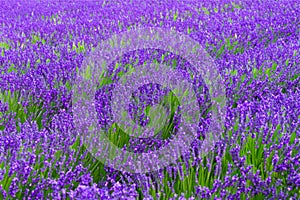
point(255, 46)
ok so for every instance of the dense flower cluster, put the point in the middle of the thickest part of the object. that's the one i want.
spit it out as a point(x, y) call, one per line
point(255, 45)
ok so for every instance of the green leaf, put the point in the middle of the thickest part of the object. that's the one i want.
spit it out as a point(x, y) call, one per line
point(236, 126)
point(188, 30)
point(221, 50)
point(274, 66)
point(292, 138)
point(255, 72)
point(287, 62)
point(175, 16)
point(295, 77)
point(205, 10)
point(4, 45)
point(11, 69)
point(250, 81)
point(236, 5)
point(234, 72)
point(228, 42)
point(88, 74)
point(243, 77)
point(68, 86)
point(268, 72)
point(174, 63)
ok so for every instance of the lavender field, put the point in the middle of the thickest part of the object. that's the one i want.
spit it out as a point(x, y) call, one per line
point(252, 47)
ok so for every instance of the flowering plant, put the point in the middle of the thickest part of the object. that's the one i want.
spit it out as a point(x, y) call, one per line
point(254, 46)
